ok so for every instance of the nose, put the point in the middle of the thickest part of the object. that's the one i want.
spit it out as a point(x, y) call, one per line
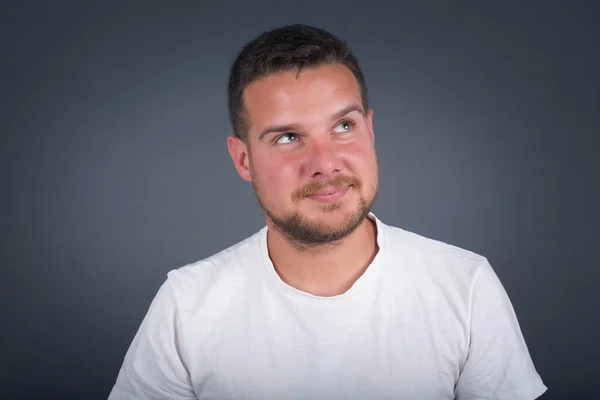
point(323, 160)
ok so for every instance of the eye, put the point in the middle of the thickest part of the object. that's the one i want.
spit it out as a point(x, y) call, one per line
point(344, 126)
point(290, 136)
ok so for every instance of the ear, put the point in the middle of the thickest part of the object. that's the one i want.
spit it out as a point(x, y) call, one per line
point(370, 124)
point(240, 156)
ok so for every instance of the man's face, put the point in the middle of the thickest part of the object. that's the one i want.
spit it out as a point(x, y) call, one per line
point(310, 153)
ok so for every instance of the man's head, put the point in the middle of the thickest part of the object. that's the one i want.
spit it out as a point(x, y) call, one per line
point(303, 133)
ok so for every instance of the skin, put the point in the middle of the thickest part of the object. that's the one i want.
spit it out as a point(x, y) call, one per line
point(299, 146)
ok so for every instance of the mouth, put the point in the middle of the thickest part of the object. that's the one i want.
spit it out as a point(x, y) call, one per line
point(330, 194)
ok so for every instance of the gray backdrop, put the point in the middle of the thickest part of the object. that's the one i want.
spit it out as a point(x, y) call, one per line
point(115, 170)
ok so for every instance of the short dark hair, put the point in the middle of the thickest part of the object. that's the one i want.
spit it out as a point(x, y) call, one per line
point(287, 48)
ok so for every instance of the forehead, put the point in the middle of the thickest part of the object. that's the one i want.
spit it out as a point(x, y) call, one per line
point(289, 97)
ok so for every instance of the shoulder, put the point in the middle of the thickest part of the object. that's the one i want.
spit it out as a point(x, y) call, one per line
point(432, 259)
point(223, 272)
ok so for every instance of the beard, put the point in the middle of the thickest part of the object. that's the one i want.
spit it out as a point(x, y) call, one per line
point(304, 233)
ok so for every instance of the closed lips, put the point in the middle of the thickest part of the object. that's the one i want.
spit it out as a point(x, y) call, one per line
point(328, 192)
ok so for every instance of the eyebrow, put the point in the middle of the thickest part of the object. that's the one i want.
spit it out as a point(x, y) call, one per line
point(348, 110)
point(296, 127)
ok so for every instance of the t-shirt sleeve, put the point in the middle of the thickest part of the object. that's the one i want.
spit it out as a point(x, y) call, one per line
point(155, 363)
point(498, 364)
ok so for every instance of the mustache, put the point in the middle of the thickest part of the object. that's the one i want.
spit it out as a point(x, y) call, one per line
point(317, 186)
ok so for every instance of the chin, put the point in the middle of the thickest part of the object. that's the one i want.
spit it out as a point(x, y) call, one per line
point(329, 213)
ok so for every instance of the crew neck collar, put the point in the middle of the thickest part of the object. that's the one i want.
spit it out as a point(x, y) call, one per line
point(278, 284)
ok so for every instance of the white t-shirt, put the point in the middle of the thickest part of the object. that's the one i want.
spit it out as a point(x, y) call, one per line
point(425, 321)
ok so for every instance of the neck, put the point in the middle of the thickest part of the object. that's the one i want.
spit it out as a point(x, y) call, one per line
point(327, 270)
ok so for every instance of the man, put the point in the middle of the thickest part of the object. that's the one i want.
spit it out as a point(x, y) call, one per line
point(326, 301)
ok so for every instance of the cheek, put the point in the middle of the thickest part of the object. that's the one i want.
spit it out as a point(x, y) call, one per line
point(363, 165)
point(362, 160)
point(277, 176)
